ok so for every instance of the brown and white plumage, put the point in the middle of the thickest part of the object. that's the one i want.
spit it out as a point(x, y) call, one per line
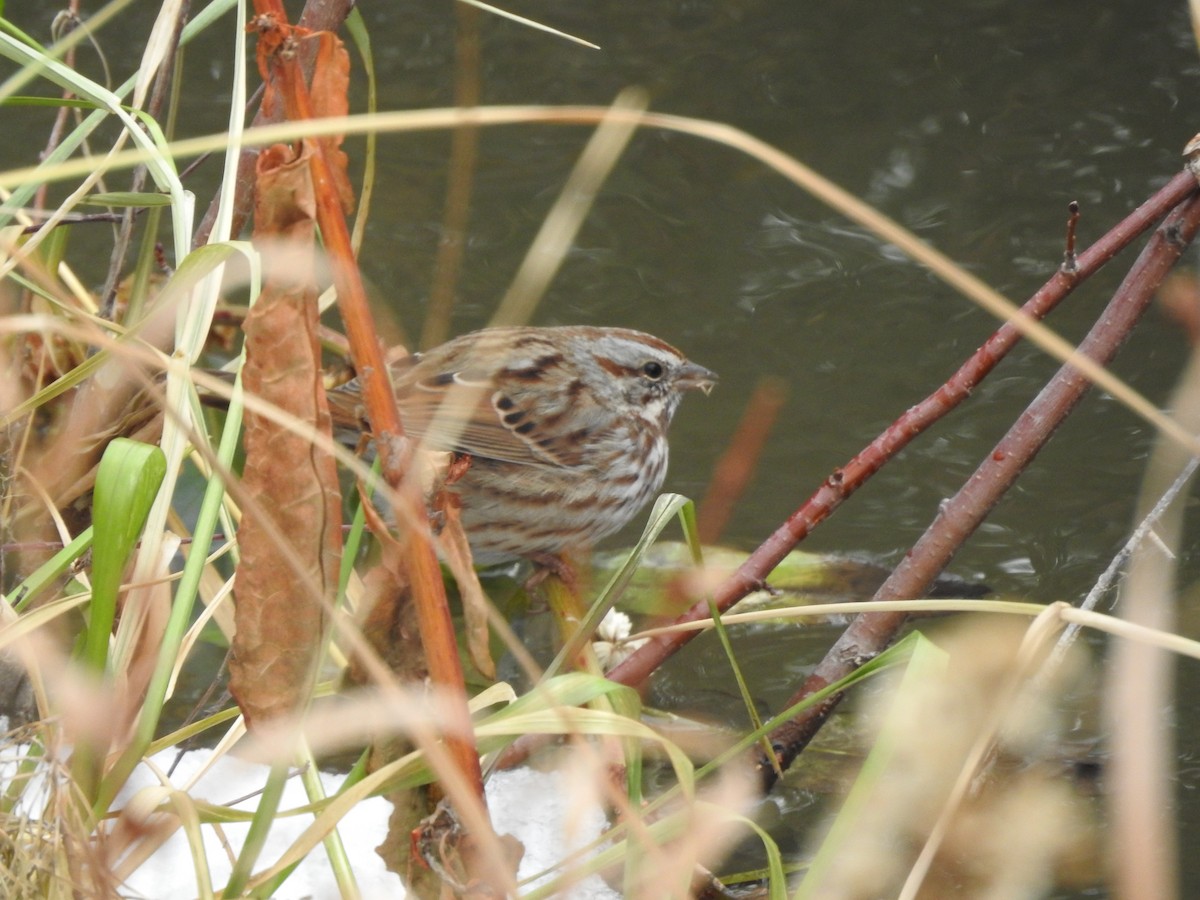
point(566, 428)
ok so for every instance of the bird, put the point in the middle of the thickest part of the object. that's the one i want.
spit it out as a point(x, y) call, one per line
point(565, 428)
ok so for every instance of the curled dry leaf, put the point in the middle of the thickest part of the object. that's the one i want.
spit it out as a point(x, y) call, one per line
point(290, 537)
point(330, 84)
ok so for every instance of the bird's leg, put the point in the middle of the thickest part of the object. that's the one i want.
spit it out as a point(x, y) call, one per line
point(547, 564)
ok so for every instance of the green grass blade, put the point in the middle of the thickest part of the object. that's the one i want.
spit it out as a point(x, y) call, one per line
point(356, 27)
point(49, 572)
point(69, 103)
point(133, 199)
point(126, 485)
point(260, 826)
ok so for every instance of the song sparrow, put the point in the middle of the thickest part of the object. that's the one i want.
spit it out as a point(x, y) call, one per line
point(566, 429)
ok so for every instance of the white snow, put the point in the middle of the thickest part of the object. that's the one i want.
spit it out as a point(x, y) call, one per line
point(530, 805)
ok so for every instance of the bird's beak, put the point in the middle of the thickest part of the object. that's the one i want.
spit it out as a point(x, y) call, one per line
point(693, 377)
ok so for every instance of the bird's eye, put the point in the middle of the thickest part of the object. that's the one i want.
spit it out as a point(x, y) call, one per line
point(652, 370)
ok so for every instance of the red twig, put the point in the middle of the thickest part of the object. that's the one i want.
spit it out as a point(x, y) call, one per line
point(1070, 264)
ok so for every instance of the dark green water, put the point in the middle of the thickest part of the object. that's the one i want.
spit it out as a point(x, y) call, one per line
point(972, 123)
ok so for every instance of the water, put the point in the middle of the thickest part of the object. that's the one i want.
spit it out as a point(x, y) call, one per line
point(972, 123)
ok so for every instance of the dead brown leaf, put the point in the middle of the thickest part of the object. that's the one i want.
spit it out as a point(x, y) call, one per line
point(329, 94)
point(290, 537)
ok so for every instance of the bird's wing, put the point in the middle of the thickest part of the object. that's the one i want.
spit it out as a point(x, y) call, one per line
point(464, 411)
point(453, 403)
